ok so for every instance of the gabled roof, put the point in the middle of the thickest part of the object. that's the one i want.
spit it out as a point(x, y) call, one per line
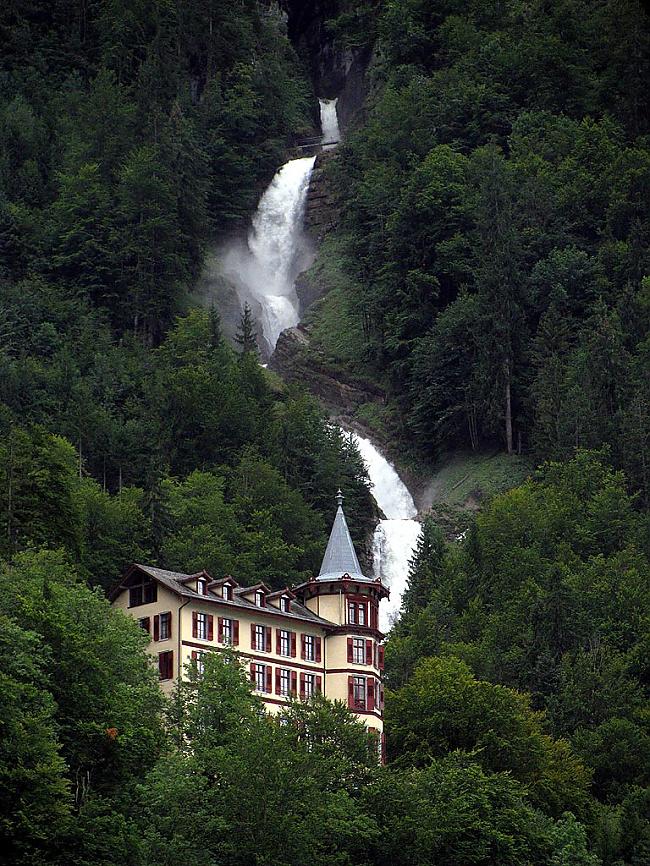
point(340, 556)
point(177, 582)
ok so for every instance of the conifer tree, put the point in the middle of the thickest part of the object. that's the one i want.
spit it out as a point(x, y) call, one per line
point(246, 336)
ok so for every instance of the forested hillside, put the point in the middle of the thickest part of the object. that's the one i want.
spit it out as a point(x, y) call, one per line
point(496, 224)
point(128, 136)
point(492, 269)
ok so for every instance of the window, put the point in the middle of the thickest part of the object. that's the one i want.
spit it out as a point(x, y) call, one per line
point(145, 592)
point(285, 681)
point(226, 632)
point(162, 626)
point(202, 626)
point(145, 623)
point(202, 587)
point(357, 613)
point(166, 665)
point(261, 638)
point(310, 685)
point(165, 626)
point(261, 677)
point(199, 658)
point(357, 693)
point(310, 649)
point(226, 591)
point(285, 604)
point(359, 651)
point(259, 598)
point(284, 642)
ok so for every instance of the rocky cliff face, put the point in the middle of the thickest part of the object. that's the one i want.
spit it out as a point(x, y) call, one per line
point(297, 360)
point(336, 70)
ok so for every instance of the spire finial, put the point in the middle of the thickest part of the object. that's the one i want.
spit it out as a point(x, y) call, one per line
point(339, 498)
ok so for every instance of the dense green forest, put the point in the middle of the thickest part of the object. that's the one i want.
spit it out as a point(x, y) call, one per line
point(496, 224)
point(492, 253)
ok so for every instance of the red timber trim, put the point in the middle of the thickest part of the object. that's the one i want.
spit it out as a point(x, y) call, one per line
point(358, 672)
point(282, 662)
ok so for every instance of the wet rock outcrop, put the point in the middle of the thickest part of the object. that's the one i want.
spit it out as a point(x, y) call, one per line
point(297, 360)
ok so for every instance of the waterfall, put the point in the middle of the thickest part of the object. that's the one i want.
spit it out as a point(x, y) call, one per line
point(395, 538)
point(329, 122)
point(265, 270)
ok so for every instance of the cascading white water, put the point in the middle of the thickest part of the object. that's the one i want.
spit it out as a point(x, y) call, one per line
point(329, 123)
point(267, 268)
point(395, 538)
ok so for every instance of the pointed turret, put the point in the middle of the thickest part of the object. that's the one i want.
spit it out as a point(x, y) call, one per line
point(340, 556)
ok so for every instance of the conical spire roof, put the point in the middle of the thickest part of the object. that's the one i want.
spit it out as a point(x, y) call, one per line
point(340, 556)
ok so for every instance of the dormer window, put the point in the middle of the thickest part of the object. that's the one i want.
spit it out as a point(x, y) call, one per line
point(226, 591)
point(202, 587)
point(285, 604)
point(259, 598)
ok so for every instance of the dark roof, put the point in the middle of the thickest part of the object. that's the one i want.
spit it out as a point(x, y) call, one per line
point(175, 581)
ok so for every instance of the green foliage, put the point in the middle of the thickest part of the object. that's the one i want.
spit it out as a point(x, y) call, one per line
point(443, 709)
point(547, 595)
point(495, 224)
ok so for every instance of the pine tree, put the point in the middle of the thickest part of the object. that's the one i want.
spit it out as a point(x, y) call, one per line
point(246, 336)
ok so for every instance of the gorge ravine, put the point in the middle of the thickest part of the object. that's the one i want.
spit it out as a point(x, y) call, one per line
point(263, 272)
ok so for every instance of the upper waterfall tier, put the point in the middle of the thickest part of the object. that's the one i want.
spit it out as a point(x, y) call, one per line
point(329, 122)
point(265, 271)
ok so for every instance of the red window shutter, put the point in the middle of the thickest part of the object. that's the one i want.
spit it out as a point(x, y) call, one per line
point(253, 644)
point(220, 629)
point(370, 692)
point(294, 682)
point(351, 692)
point(381, 658)
point(368, 652)
point(293, 644)
point(235, 632)
point(319, 684)
point(278, 687)
point(146, 624)
point(210, 627)
point(195, 655)
point(318, 649)
point(267, 630)
point(195, 629)
point(350, 650)
point(277, 642)
point(302, 646)
point(169, 620)
point(269, 681)
point(253, 669)
point(302, 685)
point(156, 627)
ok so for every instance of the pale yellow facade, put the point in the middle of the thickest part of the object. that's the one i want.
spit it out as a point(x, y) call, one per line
point(322, 651)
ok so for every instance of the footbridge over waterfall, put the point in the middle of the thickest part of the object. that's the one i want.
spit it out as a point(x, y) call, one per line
point(311, 146)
